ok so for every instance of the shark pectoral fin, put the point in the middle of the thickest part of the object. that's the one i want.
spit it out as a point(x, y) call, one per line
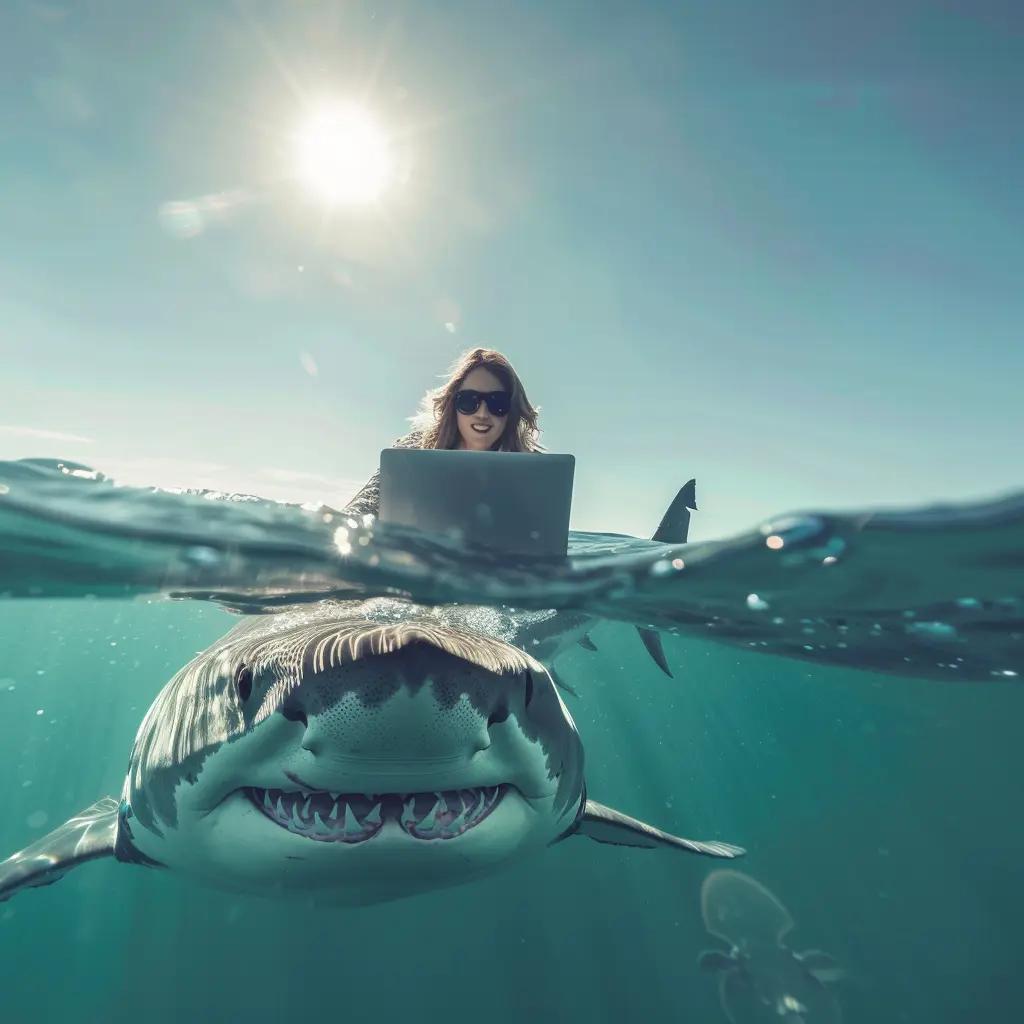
point(675, 524)
point(715, 960)
point(586, 643)
point(87, 836)
point(821, 965)
point(604, 825)
point(652, 641)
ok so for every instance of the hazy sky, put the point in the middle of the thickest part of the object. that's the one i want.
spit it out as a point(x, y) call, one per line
point(773, 245)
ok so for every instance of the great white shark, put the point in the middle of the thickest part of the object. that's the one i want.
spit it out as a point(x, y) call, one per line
point(358, 751)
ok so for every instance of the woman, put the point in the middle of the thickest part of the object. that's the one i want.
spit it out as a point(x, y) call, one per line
point(482, 407)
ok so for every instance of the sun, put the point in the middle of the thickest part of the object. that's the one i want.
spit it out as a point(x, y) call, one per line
point(343, 156)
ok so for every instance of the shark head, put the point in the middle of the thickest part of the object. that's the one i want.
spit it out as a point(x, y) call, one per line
point(320, 750)
point(349, 752)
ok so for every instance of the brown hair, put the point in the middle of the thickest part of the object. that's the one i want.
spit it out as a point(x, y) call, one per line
point(437, 410)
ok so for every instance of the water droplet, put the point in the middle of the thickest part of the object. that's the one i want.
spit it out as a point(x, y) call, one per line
point(756, 604)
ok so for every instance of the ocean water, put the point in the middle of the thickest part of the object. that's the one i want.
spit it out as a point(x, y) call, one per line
point(845, 704)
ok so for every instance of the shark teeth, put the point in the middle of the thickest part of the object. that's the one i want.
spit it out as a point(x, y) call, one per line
point(353, 830)
point(350, 818)
point(453, 812)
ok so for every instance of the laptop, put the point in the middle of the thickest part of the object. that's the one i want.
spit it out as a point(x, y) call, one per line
point(512, 502)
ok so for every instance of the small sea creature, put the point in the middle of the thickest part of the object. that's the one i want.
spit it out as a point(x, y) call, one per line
point(761, 979)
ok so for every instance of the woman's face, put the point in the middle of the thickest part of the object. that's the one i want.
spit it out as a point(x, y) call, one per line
point(478, 431)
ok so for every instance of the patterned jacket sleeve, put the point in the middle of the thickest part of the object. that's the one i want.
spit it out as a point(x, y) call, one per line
point(367, 498)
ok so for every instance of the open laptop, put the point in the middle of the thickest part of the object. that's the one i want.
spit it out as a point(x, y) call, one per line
point(512, 502)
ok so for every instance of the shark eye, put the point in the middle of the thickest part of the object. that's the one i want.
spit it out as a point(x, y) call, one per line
point(243, 682)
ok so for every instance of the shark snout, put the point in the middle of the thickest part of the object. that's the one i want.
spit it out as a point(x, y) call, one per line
point(417, 705)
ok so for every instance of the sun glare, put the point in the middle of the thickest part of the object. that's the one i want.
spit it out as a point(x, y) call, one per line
point(343, 156)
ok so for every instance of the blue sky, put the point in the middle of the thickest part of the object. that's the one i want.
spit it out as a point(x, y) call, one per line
point(773, 246)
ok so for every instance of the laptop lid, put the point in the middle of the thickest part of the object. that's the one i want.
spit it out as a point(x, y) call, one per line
point(513, 502)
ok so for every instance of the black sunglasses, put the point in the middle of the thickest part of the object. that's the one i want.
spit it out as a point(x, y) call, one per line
point(468, 401)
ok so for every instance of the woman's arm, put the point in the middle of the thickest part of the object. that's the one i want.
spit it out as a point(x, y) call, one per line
point(367, 498)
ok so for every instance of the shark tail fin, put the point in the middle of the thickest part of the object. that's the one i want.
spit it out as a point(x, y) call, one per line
point(673, 529)
point(652, 641)
point(604, 825)
point(675, 523)
point(89, 835)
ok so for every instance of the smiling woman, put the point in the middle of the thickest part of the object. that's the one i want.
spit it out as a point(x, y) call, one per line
point(343, 156)
point(482, 406)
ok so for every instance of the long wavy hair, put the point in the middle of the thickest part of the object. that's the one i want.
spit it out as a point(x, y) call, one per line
point(437, 415)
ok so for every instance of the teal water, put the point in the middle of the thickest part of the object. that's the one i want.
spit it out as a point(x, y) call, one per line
point(881, 809)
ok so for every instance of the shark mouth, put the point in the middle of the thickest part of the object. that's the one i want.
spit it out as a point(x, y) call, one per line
point(357, 817)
